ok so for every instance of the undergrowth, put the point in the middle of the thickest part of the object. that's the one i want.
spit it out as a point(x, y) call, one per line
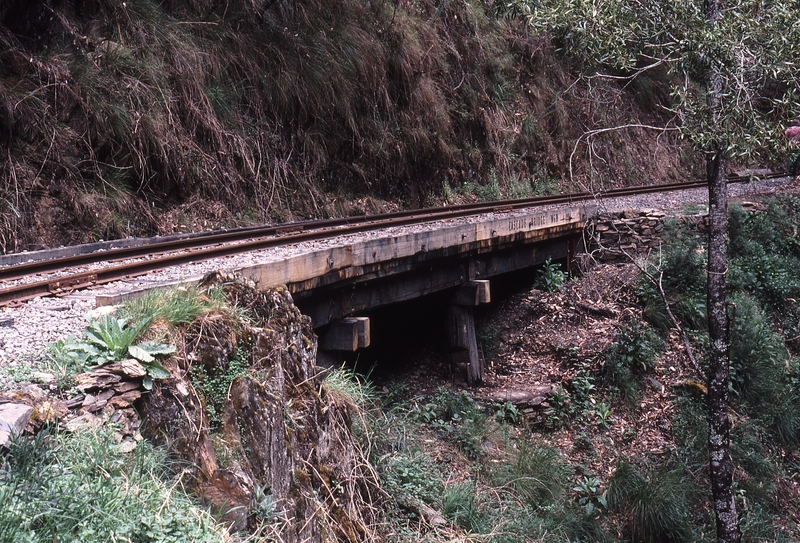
point(81, 487)
point(489, 470)
point(765, 405)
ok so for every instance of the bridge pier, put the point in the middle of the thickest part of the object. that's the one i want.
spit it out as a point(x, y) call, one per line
point(461, 336)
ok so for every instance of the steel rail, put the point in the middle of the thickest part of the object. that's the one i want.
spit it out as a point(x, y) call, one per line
point(261, 238)
point(16, 271)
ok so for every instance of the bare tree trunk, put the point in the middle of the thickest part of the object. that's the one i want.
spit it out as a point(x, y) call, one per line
point(720, 467)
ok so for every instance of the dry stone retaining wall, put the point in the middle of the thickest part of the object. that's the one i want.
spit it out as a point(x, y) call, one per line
point(632, 233)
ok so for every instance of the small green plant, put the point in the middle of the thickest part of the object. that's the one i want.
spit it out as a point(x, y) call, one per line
point(590, 497)
point(57, 360)
point(109, 340)
point(562, 408)
point(583, 442)
point(506, 412)
point(583, 390)
point(213, 385)
point(395, 393)
point(636, 346)
point(550, 278)
point(602, 415)
point(265, 508)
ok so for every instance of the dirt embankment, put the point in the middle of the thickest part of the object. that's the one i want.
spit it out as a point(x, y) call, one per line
point(152, 117)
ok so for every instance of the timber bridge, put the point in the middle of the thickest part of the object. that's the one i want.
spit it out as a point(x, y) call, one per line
point(338, 270)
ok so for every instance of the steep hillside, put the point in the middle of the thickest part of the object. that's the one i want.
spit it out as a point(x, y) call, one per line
point(145, 117)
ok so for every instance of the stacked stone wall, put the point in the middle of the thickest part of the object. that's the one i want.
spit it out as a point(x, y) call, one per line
point(620, 235)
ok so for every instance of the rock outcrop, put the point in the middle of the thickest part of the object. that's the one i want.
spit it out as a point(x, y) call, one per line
point(273, 450)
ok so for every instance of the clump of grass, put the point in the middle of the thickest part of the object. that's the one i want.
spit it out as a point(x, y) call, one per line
point(355, 390)
point(538, 474)
point(461, 505)
point(81, 487)
point(658, 509)
point(175, 306)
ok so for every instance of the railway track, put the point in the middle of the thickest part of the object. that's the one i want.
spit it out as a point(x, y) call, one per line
point(127, 262)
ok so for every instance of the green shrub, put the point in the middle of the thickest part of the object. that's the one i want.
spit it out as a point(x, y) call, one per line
point(773, 230)
point(550, 278)
point(765, 256)
point(459, 419)
point(682, 264)
point(632, 354)
point(411, 477)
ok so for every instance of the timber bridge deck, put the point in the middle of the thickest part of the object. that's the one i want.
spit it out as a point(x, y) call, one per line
point(340, 269)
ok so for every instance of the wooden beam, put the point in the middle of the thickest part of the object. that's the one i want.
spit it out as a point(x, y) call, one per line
point(335, 302)
point(348, 334)
point(473, 293)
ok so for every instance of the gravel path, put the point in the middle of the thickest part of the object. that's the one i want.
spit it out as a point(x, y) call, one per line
point(27, 330)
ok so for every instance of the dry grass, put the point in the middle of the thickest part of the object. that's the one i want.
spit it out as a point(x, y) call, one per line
point(271, 108)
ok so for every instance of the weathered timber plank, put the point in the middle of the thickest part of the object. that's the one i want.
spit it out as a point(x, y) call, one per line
point(333, 304)
point(389, 249)
point(300, 267)
point(348, 334)
point(473, 293)
point(465, 236)
point(462, 338)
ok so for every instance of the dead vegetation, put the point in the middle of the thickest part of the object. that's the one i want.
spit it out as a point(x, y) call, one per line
point(113, 116)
